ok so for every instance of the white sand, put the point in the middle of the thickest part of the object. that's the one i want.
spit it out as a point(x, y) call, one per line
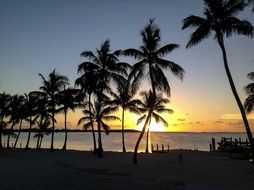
point(82, 170)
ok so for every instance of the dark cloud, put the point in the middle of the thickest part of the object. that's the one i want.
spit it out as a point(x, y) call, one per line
point(181, 119)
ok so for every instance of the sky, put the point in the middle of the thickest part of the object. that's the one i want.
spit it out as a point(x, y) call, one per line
point(38, 36)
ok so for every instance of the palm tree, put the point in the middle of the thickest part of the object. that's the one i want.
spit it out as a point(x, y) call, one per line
point(4, 108)
point(104, 67)
point(150, 60)
point(99, 113)
point(219, 20)
point(43, 124)
point(67, 99)
point(249, 89)
point(14, 114)
point(30, 107)
point(87, 83)
point(51, 88)
point(21, 111)
point(151, 106)
point(123, 97)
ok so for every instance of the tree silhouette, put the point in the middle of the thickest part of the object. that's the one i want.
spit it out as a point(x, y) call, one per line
point(100, 112)
point(150, 60)
point(220, 21)
point(251, 2)
point(51, 87)
point(4, 109)
point(66, 99)
point(151, 106)
point(123, 97)
point(249, 89)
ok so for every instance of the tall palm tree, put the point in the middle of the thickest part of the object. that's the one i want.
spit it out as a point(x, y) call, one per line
point(100, 112)
point(67, 101)
point(220, 21)
point(14, 114)
point(21, 111)
point(30, 107)
point(43, 123)
point(123, 97)
point(88, 85)
point(150, 60)
point(104, 67)
point(4, 108)
point(51, 87)
point(249, 89)
point(151, 106)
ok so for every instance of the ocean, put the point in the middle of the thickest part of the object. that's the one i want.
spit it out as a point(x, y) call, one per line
point(113, 141)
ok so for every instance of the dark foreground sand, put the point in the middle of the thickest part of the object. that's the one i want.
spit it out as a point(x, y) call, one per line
point(73, 170)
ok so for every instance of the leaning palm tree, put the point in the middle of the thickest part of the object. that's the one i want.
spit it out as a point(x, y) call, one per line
point(99, 113)
point(4, 108)
point(66, 99)
point(249, 89)
point(151, 62)
point(220, 21)
point(51, 87)
point(151, 106)
point(123, 97)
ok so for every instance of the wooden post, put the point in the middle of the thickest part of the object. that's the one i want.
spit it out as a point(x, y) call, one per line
point(213, 144)
point(157, 146)
point(152, 147)
point(168, 148)
point(162, 148)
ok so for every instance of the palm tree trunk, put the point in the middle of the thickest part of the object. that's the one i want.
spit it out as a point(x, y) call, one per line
point(94, 139)
point(124, 150)
point(234, 91)
point(1, 132)
point(147, 140)
point(18, 134)
point(100, 149)
point(38, 140)
point(29, 133)
point(140, 137)
point(65, 128)
point(53, 130)
point(9, 134)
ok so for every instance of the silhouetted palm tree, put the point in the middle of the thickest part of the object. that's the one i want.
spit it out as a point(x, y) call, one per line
point(123, 97)
point(87, 83)
point(151, 106)
point(14, 114)
point(30, 108)
point(151, 63)
point(219, 20)
point(4, 108)
point(105, 68)
point(67, 101)
point(249, 89)
point(100, 112)
point(51, 88)
point(21, 110)
point(43, 124)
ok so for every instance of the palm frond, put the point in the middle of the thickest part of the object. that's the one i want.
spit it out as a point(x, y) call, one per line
point(137, 54)
point(141, 119)
point(164, 50)
point(159, 119)
point(249, 103)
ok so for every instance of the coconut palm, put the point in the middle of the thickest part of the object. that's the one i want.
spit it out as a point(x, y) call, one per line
point(51, 87)
point(21, 111)
point(43, 123)
point(4, 108)
point(30, 108)
point(150, 60)
point(66, 98)
point(151, 106)
point(249, 89)
point(14, 114)
point(104, 67)
point(220, 21)
point(100, 112)
point(123, 97)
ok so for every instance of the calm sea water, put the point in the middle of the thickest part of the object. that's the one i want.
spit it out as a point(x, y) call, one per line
point(113, 141)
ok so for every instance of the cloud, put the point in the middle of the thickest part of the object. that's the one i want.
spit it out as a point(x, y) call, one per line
point(234, 116)
point(181, 119)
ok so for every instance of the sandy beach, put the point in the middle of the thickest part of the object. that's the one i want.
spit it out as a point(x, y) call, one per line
point(31, 169)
